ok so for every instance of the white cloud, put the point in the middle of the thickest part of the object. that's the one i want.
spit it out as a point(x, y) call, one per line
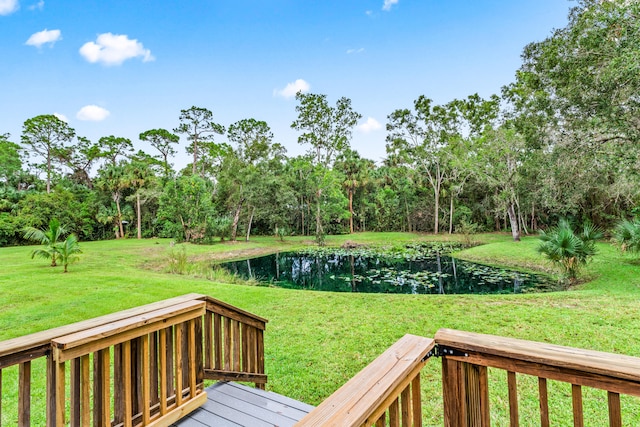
point(371, 125)
point(388, 3)
point(61, 117)
point(114, 49)
point(8, 6)
point(92, 113)
point(44, 36)
point(292, 88)
point(38, 6)
point(350, 51)
point(369, 12)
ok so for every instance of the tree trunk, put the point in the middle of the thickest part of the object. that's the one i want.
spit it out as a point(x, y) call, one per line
point(406, 208)
point(513, 219)
point(139, 215)
point(195, 156)
point(436, 212)
point(236, 219)
point(451, 214)
point(319, 230)
point(48, 174)
point(350, 210)
point(116, 198)
point(302, 215)
point(249, 225)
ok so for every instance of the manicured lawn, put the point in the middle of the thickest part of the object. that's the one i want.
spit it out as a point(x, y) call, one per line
point(316, 341)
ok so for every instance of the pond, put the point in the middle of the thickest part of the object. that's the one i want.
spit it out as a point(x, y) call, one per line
point(417, 272)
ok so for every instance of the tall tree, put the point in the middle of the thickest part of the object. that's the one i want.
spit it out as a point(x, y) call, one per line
point(163, 141)
point(426, 139)
point(80, 158)
point(355, 170)
point(249, 164)
point(197, 123)
point(114, 147)
point(138, 175)
point(112, 178)
point(328, 131)
point(10, 158)
point(186, 208)
point(45, 134)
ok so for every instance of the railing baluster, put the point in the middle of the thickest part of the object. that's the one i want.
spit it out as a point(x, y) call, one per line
point(236, 345)
point(127, 380)
point(199, 352)
point(416, 400)
point(85, 394)
point(217, 338)
point(179, 356)
point(576, 398)
point(245, 348)
point(227, 344)
point(59, 394)
point(146, 381)
point(405, 400)
point(24, 394)
point(118, 385)
point(191, 368)
point(513, 399)
point(208, 341)
point(101, 388)
point(74, 416)
point(394, 414)
point(615, 417)
point(163, 372)
point(382, 421)
point(153, 369)
point(260, 349)
point(169, 372)
point(544, 402)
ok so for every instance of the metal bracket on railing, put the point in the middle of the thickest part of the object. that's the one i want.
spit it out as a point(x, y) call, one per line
point(439, 351)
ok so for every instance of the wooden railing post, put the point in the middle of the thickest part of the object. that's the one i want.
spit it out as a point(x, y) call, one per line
point(465, 394)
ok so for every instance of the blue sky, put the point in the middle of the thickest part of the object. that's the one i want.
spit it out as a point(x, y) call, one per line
point(120, 67)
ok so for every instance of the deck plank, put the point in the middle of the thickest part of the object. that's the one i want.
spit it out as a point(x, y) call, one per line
point(232, 404)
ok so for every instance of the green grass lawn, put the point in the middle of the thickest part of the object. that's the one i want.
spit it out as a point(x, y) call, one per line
point(316, 341)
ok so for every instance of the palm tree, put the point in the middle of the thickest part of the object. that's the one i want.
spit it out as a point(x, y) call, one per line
point(48, 237)
point(569, 248)
point(627, 234)
point(68, 251)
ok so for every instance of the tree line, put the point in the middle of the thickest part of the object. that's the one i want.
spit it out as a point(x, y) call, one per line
point(561, 141)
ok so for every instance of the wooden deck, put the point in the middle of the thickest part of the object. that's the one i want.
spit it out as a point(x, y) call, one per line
point(233, 404)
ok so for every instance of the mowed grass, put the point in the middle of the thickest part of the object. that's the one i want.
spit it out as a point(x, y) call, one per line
point(316, 341)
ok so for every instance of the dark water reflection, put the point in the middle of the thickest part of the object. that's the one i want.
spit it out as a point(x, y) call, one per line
point(435, 274)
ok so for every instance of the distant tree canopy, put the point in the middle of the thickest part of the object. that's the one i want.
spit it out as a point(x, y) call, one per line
point(561, 141)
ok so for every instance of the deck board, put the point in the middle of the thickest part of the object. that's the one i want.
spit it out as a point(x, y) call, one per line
point(232, 404)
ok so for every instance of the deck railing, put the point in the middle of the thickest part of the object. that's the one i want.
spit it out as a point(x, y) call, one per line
point(386, 392)
point(466, 357)
point(143, 366)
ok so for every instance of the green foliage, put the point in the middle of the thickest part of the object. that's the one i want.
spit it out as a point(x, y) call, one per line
point(48, 237)
point(68, 251)
point(187, 210)
point(627, 235)
point(568, 248)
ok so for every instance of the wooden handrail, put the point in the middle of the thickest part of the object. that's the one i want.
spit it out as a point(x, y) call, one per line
point(390, 384)
point(466, 357)
point(615, 366)
point(17, 350)
point(219, 342)
point(129, 340)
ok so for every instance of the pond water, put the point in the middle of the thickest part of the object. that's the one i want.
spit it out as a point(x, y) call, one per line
point(344, 272)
